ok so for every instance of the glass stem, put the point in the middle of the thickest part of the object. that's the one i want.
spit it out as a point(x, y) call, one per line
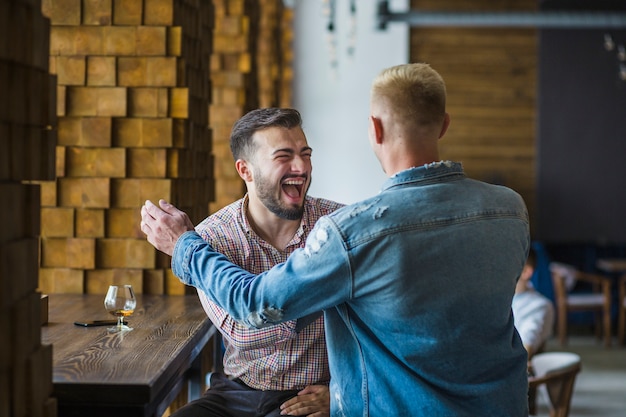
point(120, 322)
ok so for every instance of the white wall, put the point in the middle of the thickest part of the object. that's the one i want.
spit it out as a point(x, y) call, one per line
point(335, 103)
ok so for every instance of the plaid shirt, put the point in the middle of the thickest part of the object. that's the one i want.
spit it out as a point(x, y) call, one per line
point(277, 357)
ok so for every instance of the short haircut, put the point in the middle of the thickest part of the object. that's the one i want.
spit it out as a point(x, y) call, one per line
point(415, 94)
point(241, 144)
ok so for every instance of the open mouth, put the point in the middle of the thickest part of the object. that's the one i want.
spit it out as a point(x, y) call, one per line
point(293, 187)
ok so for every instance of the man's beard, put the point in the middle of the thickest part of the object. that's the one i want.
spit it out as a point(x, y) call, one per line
point(265, 192)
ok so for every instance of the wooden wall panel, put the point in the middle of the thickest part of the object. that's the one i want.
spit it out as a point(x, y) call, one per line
point(250, 68)
point(491, 78)
point(27, 155)
point(133, 84)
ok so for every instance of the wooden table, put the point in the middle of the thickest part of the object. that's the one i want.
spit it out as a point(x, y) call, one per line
point(136, 373)
point(612, 264)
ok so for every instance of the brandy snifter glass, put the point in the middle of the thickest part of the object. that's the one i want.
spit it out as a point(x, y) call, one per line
point(120, 302)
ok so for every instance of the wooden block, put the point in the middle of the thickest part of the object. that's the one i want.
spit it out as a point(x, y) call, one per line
point(5, 383)
point(97, 12)
point(89, 223)
point(96, 101)
point(70, 70)
point(161, 71)
point(18, 269)
point(31, 153)
point(21, 206)
point(119, 40)
point(111, 102)
point(84, 192)
point(127, 12)
point(233, 79)
point(84, 131)
point(179, 103)
point(82, 101)
point(173, 286)
point(158, 12)
point(132, 72)
point(230, 44)
point(153, 281)
point(174, 40)
point(39, 370)
point(64, 12)
point(157, 133)
point(60, 161)
point(127, 132)
point(57, 222)
point(232, 25)
point(124, 222)
point(224, 113)
point(44, 308)
point(125, 253)
point(62, 41)
point(143, 102)
point(97, 281)
point(147, 163)
point(61, 98)
point(48, 193)
point(69, 131)
point(101, 70)
point(89, 40)
point(134, 132)
point(162, 103)
point(5, 151)
point(180, 133)
point(151, 40)
point(132, 193)
point(61, 280)
point(96, 162)
point(76, 253)
point(176, 159)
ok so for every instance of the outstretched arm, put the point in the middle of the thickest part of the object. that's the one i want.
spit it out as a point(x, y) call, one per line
point(164, 225)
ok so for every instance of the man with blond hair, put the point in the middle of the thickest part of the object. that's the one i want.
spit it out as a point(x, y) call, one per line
point(415, 283)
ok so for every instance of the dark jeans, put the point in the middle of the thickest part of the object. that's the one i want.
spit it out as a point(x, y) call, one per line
point(228, 398)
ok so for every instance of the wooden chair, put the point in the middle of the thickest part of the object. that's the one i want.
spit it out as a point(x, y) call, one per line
point(554, 374)
point(621, 317)
point(598, 301)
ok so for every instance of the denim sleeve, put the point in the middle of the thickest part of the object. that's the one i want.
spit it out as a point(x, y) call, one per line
point(314, 278)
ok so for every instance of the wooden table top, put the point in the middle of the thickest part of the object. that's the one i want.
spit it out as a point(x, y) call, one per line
point(138, 367)
point(612, 264)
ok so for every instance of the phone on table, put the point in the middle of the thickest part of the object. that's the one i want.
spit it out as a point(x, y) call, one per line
point(93, 323)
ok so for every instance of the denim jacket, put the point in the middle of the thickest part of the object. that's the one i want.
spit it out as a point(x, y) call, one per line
point(416, 286)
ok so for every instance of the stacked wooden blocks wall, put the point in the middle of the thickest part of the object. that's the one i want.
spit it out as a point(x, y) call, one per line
point(491, 79)
point(132, 104)
point(27, 146)
point(251, 66)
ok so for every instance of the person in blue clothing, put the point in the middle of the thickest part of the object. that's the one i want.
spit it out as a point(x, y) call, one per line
point(415, 282)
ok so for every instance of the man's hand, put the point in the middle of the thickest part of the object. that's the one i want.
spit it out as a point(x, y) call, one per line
point(163, 226)
point(313, 401)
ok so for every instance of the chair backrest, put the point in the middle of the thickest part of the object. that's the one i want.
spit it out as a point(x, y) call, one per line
point(556, 371)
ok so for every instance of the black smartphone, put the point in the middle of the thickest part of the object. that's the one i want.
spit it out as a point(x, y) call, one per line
point(93, 323)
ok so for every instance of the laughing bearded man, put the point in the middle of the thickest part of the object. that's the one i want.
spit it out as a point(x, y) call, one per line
point(283, 368)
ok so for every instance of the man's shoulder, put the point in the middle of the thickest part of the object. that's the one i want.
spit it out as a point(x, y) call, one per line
point(226, 217)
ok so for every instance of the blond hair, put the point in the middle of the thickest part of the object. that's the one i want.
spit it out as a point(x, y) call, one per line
point(414, 93)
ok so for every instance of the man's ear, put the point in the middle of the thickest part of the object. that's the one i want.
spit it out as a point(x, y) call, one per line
point(444, 127)
point(377, 129)
point(244, 170)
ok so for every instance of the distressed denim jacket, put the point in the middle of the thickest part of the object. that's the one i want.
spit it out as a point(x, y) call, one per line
point(416, 286)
